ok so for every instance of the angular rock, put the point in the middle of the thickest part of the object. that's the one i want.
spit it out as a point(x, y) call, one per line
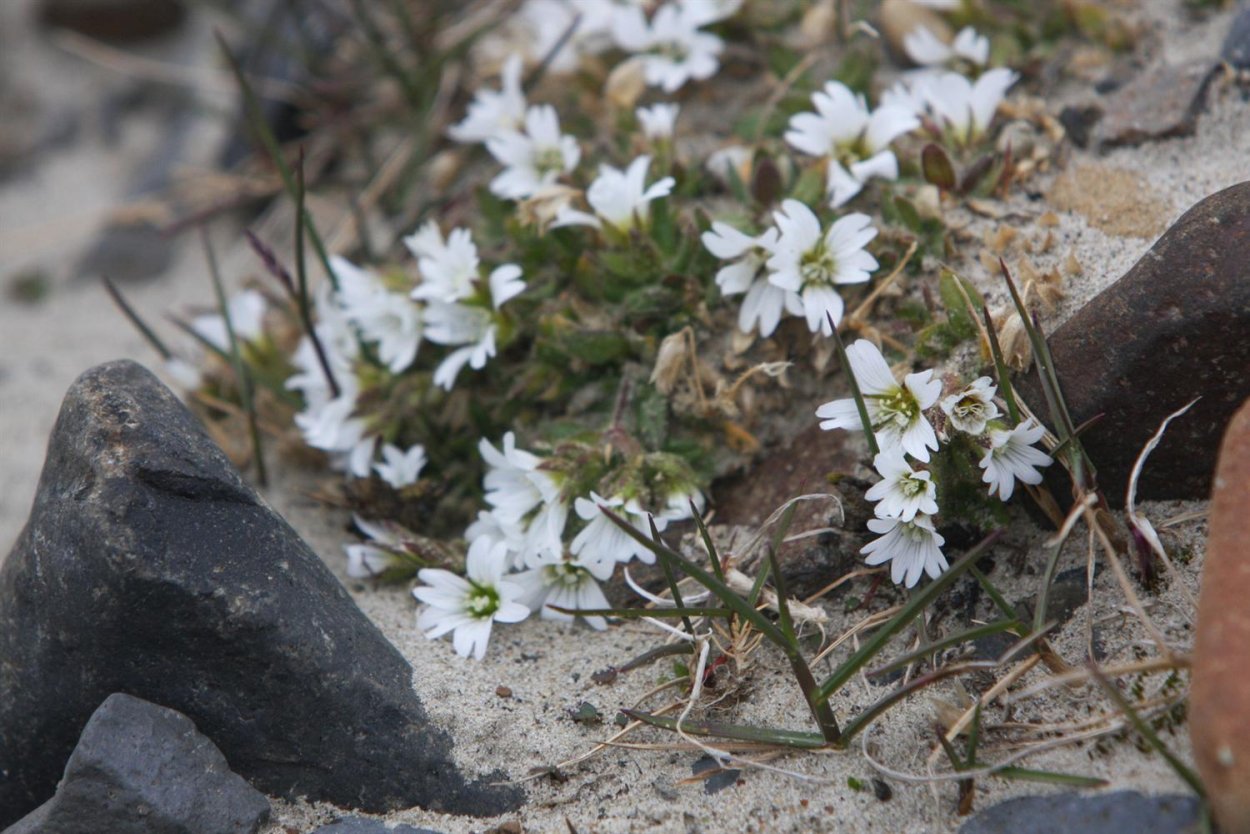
point(142, 769)
point(1236, 48)
point(119, 21)
point(149, 567)
point(1120, 811)
point(1172, 328)
point(363, 825)
point(1219, 714)
point(1162, 102)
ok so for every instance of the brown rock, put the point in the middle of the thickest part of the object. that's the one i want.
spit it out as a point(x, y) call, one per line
point(1162, 102)
point(1172, 328)
point(1219, 722)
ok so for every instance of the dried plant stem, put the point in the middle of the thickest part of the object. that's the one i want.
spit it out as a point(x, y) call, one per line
point(1080, 675)
point(855, 319)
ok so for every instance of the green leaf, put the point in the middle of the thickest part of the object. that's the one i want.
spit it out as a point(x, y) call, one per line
point(937, 167)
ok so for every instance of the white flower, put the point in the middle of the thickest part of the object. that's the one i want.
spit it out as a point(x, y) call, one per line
point(514, 484)
point(963, 108)
point(247, 316)
point(764, 303)
point(895, 411)
point(970, 409)
point(856, 143)
point(384, 318)
point(672, 47)
point(566, 583)
point(619, 198)
point(810, 262)
point(544, 533)
point(183, 373)
point(601, 542)
point(332, 428)
point(729, 162)
point(1011, 456)
point(448, 267)
point(468, 605)
point(534, 158)
point(909, 95)
point(400, 468)
point(911, 547)
point(491, 112)
point(902, 492)
point(506, 537)
point(474, 326)
point(387, 548)
point(927, 49)
point(703, 12)
point(657, 120)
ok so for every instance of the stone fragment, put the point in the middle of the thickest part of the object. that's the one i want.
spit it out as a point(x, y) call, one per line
point(1172, 328)
point(1236, 48)
point(149, 567)
point(119, 21)
point(1162, 102)
point(1118, 811)
point(1219, 713)
point(364, 825)
point(142, 769)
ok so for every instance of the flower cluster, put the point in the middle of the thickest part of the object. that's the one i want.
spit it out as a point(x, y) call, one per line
point(588, 267)
point(902, 418)
point(794, 267)
point(529, 549)
point(452, 305)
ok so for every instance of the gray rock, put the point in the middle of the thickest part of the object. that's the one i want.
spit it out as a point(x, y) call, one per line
point(1236, 49)
point(1108, 813)
point(1160, 103)
point(363, 825)
point(149, 567)
point(1172, 328)
point(142, 769)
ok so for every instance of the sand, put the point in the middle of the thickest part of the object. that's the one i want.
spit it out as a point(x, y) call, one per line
point(47, 216)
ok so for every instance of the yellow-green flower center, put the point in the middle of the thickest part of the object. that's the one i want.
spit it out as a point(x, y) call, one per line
point(898, 406)
point(818, 265)
point(548, 161)
point(482, 602)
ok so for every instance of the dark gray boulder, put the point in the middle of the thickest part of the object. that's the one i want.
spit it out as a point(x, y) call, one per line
point(148, 566)
point(1118, 812)
point(1175, 326)
point(142, 769)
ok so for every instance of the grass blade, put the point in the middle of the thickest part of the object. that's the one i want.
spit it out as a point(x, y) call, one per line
point(738, 732)
point(241, 374)
point(900, 620)
point(1147, 732)
point(1001, 369)
point(1071, 780)
point(965, 636)
point(256, 118)
point(856, 394)
point(148, 334)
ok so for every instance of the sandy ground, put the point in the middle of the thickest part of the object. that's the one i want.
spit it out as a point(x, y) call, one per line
point(48, 214)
